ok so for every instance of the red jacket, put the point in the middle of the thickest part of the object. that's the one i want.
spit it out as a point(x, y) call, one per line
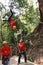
point(12, 23)
point(5, 50)
point(21, 46)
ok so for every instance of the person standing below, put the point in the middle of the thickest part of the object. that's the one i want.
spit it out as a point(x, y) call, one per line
point(21, 50)
point(5, 51)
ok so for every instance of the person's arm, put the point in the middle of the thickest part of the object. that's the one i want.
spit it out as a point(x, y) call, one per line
point(30, 42)
point(11, 52)
point(0, 50)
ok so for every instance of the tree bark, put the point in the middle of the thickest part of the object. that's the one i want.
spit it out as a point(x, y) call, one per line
point(37, 37)
point(40, 26)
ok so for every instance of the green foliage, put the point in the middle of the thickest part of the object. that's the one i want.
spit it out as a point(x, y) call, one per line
point(27, 20)
point(30, 58)
point(30, 18)
point(22, 3)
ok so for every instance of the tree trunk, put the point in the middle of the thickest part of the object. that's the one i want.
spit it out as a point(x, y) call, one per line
point(37, 37)
point(40, 26)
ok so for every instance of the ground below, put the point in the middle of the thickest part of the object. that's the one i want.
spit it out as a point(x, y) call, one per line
point(14, 59)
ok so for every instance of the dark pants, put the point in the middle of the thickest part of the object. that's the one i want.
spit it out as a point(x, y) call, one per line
point(22, 53)
point(5, 60)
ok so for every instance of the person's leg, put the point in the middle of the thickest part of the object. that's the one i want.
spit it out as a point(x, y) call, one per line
point(24, 53)
point(3, 60)
point(19, 57)
point(6, 61)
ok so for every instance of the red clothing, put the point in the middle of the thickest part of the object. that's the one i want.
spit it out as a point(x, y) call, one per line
point(12, 23)
point(5, 50)
point(21, 46)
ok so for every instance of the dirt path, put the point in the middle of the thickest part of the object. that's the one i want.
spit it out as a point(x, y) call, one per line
point(14, 59)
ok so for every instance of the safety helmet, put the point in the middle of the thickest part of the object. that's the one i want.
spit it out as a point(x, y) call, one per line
point(4, 42)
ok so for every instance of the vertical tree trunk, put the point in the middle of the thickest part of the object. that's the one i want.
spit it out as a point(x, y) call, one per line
point(40, 26)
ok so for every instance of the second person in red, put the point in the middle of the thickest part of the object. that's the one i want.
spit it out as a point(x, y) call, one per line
point(21, 50)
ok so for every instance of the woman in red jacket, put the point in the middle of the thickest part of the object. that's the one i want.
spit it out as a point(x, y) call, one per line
point(5, 50)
